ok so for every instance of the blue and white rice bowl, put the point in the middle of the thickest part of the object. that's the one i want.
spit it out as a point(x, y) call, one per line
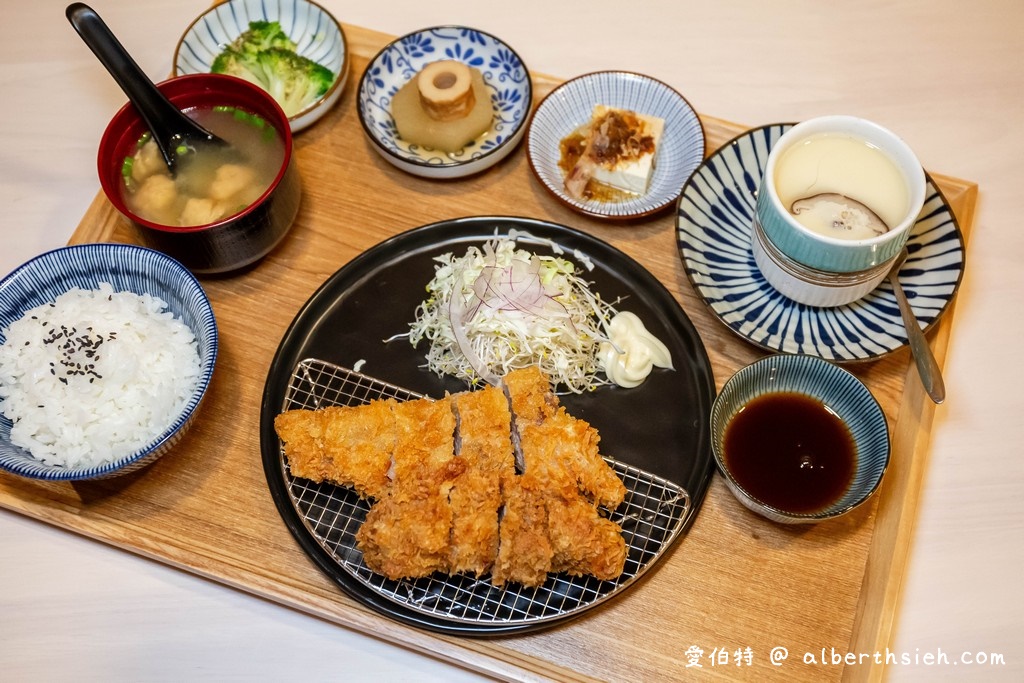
point(504, 74)
point(841, 392)
point(127, 268)
point(316, 33)
point(570, 106)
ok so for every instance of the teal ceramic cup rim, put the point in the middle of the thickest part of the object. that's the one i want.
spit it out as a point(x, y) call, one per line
point(829, 253)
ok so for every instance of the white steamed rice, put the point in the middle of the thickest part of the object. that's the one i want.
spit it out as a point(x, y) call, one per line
point(95, 375)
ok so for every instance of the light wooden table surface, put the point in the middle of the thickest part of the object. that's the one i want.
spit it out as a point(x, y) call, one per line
point(949, 81)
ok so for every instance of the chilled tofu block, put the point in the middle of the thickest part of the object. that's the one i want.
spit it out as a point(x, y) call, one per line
point(619, 151)
point(630, 171)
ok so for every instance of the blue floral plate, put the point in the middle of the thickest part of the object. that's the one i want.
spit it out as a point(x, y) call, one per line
point(714, 215)
point(504, 74)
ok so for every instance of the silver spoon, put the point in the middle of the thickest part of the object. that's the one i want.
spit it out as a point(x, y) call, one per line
point(927, 366)
point(171, 128)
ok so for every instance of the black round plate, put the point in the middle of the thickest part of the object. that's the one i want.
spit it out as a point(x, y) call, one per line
point(661, 426)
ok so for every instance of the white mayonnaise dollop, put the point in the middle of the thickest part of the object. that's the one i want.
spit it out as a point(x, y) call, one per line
point(633, 351)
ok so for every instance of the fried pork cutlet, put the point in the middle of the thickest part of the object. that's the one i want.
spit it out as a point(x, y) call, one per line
point(563, 446)
point(582, 541)
point(573, 444)
point(501, 480)
point(524, 551)
point(407, 533)
point(561, 463)
point(350, 446)
point(484, 447)
point(529, 395)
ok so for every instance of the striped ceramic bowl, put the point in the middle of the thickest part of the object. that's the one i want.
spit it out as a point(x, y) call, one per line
point(841, 392)
point(126, 268)
point(570, 106)
point(316, 33)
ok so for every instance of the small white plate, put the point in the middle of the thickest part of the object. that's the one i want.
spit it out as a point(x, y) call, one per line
point(570, 105)
point(714, 217)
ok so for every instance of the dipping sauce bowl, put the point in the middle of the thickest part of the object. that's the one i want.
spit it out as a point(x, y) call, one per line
point(839, 197)
point(799, 439)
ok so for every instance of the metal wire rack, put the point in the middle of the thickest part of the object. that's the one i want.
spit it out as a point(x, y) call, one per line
point(652, 516)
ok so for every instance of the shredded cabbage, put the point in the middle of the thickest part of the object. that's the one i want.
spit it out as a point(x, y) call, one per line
point(501, 308)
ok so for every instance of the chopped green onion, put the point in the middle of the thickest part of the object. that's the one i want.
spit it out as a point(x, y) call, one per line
point(126, 167)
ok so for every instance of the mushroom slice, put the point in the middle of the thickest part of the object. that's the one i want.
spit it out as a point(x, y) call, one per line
point(839, 212)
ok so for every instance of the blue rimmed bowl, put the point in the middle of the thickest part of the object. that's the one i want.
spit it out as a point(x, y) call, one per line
point(504, 74)
point(127, 268)
point(842, 394)
point(317, 34)
point(570, 106)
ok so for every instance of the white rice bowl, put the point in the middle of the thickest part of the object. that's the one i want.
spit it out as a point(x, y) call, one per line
point(106, 352)
point(70, 371)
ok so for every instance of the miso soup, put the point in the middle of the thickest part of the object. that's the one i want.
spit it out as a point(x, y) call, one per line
point(212, 181)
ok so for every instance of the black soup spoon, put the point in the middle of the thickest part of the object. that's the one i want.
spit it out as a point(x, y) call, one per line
point(171, 128)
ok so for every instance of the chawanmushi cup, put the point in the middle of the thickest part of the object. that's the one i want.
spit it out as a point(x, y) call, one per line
point(826, 266)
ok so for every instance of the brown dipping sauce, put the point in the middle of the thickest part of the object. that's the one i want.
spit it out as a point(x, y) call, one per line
point(791, 452)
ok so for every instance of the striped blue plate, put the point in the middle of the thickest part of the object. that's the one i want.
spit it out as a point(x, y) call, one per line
point(570, 106)
point(713, 221)
point(317, 34)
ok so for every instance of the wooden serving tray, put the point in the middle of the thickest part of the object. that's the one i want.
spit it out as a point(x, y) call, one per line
point(735, 581)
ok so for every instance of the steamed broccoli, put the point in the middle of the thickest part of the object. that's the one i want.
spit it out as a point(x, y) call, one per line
point(236, 63)
point(293, 80)
point(265, 55)
point(263, 35)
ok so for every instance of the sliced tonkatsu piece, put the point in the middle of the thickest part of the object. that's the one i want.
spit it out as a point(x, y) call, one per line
point(574, 444)
point(524, 551)
point(406, 538)
point(424, 440)
point(484, 447)
point(578, 539)
point(407, 533)
point(350, 446)
point(529, 395)
point(582, 541)
point(561, 472)
point(556, 442)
